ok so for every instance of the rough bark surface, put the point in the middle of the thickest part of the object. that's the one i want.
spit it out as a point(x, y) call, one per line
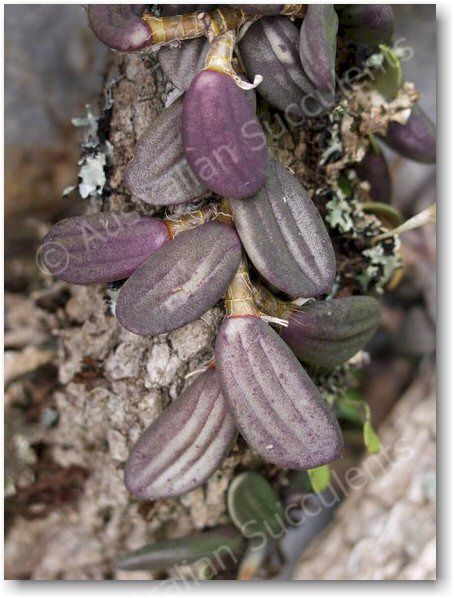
point(112, 385)
point(386, 527)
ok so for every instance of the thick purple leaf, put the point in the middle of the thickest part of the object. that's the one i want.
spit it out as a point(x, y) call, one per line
point(270, 48)
point(223, 140)
point(367, 24)
point(119, 26)
point(328, 333)
point(185, 445)
point(181, 64)
point(318, 38)
point(181, 282)
point(285, 237)
point(416, 139)
point(374, 169)
point(102, 247)
point(276, 406)
point(159, 172)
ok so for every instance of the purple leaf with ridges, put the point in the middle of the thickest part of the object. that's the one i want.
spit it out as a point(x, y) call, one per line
point(328, 333)
point(416, 139)
point(119, 26)
point(103, 247)
point(271, 48)
point(276, 406)
point(285, 237)
point(181, 282)
point(181, 65)
point(318, 37)
point(185, 445)
point(159, 173)
point(222, 137)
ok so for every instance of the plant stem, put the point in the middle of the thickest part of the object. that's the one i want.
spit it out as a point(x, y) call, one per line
point(239, 300)
point(166, 30)
point(269, 304)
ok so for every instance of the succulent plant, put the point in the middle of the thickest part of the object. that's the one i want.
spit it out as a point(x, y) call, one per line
point(181, 282)
point(276, 406)
point(120, 26)
point(318, 38)
point(223, 140)
point(296, 256)
point(181, 65)
point(328, 333)
point(102, 247)
point(416, 139)
point(185, 445)
point(208, 143)
point(271, 49)
point(159, 173)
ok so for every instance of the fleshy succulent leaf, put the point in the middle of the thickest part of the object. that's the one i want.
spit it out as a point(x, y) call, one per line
point(253, 505)
point(181, 282)
point(416, 139)
point(159, 173)
point(222, 137)
point(182, 64)
point(119, 26)
point(185, 445)
point(103, 247)
point(167, 553)
point(328, 333)
point(270, 48)
point(285, 237)
point(318, 37)
point(276, 406)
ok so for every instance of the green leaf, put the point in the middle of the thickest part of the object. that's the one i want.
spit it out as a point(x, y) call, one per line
point(371, 440)
point(320, 477)
point(388, 78)
point(189, 549)
point(254, 507)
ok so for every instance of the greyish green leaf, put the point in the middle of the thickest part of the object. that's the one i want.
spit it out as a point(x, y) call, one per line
point(254, 507)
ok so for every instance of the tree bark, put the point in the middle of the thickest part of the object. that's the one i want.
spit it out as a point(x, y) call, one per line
point(385, 528)
point(112, 385)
